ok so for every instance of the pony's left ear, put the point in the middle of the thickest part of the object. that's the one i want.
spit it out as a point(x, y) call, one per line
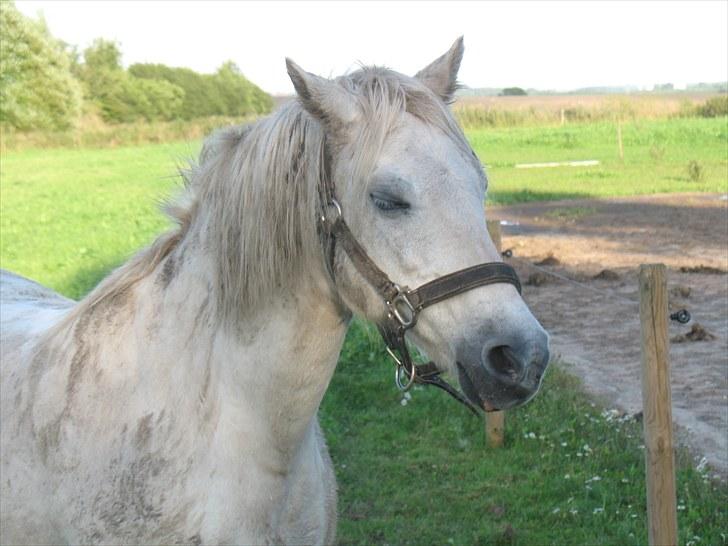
point(441, 74)
point(324, 99)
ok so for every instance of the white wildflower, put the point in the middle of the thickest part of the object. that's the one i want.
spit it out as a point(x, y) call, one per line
point(702, 465)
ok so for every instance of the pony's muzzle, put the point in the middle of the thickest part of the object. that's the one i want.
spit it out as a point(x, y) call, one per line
point(504, 375)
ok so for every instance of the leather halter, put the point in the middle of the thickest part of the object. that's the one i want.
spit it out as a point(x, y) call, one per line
point(404, 304)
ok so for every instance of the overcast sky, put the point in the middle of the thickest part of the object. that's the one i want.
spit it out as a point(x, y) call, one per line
point(545, 45)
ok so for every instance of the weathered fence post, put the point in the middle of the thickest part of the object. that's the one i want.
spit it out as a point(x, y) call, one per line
point(619, 141)
point(657, 407)
point(495, 420)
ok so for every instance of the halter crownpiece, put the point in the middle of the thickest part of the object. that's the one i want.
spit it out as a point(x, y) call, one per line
point(404, 304)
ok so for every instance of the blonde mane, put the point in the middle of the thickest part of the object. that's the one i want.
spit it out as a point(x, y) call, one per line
point(255, 192)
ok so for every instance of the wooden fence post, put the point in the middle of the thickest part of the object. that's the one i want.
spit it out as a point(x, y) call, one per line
point(495, 420)
point(657, 407)
point(619, 141)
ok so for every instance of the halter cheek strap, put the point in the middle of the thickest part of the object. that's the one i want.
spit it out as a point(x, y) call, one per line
point(404, 305)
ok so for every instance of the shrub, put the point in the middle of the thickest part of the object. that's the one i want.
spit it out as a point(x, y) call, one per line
point(713, 107)
point(695, 171)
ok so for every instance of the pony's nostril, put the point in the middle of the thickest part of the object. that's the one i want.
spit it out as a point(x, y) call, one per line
point(503, 362)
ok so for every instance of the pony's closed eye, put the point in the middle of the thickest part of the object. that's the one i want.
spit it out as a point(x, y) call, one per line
point(387, 202)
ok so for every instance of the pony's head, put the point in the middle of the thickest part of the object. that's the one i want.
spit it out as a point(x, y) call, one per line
point(412, 192)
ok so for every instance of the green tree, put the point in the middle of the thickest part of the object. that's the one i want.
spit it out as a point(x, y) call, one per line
point(102, 55)
point(201, 94)
point(37, 88)
point(241, 96)
point(119, 95)
point(226, 92)
point(165, 99)
point(512, 92)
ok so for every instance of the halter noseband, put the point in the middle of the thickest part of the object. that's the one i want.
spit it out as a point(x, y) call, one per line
point(404, 304)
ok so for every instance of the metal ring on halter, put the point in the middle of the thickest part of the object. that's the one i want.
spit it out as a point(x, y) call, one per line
point(411, 376)
point(399, 368)
point(397, 361)
point(333, 204)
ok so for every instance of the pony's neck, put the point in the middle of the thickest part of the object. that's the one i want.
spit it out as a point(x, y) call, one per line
point(260, 379)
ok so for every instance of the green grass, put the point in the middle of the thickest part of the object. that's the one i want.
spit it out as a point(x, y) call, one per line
point(419, 473)
point(67, 216)
point(657, 156)
point(570, 472)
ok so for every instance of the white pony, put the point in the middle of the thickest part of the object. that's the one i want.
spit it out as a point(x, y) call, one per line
point(177, 402)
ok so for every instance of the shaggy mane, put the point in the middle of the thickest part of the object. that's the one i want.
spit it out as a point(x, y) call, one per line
point(255, 192)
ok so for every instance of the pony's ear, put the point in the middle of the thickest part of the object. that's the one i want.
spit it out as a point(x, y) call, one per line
point(441, 74)
point(324, 99)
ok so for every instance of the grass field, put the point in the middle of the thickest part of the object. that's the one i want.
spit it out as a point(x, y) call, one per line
point(419, 474)
point(535, 110)
point(570, 473)
point(67, 216)
point(657, 156)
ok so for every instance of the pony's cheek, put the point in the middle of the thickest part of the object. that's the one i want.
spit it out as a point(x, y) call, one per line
point(357, 295)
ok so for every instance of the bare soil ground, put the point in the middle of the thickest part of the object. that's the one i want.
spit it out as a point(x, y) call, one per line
point(598, 335)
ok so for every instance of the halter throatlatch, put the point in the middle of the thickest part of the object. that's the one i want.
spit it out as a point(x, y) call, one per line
point(404, 304)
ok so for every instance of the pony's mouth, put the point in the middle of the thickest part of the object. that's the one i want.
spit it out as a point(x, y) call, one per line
point(494, 390)
point(466, 383)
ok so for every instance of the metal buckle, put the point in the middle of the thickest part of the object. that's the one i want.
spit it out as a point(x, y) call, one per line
point(401, 308)
point(329, 218)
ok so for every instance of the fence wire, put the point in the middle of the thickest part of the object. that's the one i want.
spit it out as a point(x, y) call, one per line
point(682, 316)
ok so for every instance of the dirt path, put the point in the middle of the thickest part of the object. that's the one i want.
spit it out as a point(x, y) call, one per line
point(599, 336)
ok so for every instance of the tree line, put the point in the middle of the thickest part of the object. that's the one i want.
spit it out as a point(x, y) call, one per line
point(46, 84)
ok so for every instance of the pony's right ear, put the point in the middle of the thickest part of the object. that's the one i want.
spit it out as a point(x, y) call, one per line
point(324, 99)
point(442, 73)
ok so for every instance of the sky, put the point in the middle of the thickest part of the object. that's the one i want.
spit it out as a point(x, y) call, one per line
point(542, 44)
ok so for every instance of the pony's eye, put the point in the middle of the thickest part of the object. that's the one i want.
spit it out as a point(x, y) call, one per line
point(388, 203)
